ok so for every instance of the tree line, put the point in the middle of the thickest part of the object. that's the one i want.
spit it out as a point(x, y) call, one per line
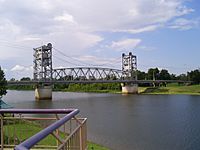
point(21, 87)
point(163, 74)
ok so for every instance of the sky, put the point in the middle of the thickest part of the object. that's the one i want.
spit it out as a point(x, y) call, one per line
point(161, 33)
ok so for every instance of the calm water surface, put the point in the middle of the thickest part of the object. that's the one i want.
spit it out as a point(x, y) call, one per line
point(129, 122)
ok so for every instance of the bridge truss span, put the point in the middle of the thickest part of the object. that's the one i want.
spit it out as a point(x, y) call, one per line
point(86, 73)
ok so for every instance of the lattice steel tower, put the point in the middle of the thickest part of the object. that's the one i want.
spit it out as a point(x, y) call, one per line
point(129, 66)
point(43, 63)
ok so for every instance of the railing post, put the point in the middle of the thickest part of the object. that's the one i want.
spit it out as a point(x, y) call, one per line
point(80, 134)
point(2, 138)
point(57, 131)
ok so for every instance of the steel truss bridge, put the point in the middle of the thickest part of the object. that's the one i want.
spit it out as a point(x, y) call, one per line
point(45, 74)
point(86, 75)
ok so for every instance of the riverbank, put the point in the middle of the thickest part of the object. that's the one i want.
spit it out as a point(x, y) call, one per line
point(115, 88)
point(171, 89)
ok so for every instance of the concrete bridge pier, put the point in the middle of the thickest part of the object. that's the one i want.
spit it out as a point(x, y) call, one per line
point(43, 92)
point(129, 88)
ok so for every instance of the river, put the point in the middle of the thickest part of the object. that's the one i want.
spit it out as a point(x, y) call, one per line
point(128, 122)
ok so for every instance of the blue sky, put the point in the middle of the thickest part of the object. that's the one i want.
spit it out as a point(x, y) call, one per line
point(162, 33)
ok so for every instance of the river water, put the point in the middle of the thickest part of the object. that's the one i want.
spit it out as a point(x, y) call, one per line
point(128, 122)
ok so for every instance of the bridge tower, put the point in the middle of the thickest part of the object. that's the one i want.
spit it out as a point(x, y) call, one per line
point(43, 71)
point(129, 72)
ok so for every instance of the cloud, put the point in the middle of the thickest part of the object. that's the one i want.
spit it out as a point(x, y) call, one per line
point(19, 71)
point(20, 68)
point(78, 26)
point(132, 15)
point(65, 18)
point(52, 19)
point(47, 17)
point(4, 69)
point(184, 24)
point(125, 44)
point(140, 30)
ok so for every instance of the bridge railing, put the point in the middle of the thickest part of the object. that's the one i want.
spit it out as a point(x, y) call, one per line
point(42, 129)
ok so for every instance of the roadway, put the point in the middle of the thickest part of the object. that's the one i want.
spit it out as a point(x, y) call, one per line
point(32, 82)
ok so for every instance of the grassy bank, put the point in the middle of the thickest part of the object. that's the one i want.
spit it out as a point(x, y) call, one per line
point(116, 88)
point(21, 87)
point(26, 129)
point(171, 89)
point(94, 87)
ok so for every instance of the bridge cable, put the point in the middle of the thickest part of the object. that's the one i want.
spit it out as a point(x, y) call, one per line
point(60, 59)
point(69, 56)
point(63, 54)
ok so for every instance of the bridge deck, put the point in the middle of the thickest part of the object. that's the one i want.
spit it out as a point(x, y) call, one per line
point(94, 81)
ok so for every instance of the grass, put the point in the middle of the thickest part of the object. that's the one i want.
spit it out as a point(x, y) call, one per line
point(171, 89)
point(25, 129)
point(94, 146)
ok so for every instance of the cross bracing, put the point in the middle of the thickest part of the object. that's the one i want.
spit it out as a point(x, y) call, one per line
point(86, 73)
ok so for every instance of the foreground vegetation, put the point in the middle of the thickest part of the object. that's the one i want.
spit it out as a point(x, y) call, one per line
point(26, 129)
point(171, 89)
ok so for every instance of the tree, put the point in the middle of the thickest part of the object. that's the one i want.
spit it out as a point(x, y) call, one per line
point(3, 83)
point(25, 79)
point(182, 77)
point(164, 75)
point(12, 79)
point(194, 76)
point(153, 73)
point(141, 75)
point(173, 77)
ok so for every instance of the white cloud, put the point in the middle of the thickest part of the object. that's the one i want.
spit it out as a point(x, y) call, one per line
point(19, 71)
point(65, 17)
point(55, 20)
point(7, 27)
point(4, 69)
point(46, 17)
point(20, 68)
point(184, 24)
point(119, 16)
point(76, 26)
point(25, 39)
point(125, 44)
point(17, 68)
point(144, 29)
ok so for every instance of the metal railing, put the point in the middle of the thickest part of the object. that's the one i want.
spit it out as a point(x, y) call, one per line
point(24, 129)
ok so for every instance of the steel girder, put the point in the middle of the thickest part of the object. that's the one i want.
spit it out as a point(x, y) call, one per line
point(86, 73)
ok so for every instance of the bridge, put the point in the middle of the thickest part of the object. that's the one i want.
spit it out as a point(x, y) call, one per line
point(45, 75)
